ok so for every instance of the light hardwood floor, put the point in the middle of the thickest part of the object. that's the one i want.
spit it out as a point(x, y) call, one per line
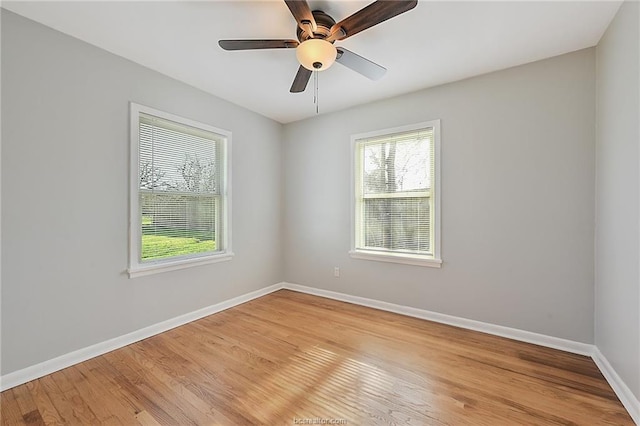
point(289, 357)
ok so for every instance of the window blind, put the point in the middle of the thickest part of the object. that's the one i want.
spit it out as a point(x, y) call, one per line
point(394, 190)
point(180, 172)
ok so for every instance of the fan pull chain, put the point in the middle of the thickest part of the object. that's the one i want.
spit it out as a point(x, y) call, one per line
point(316, 99)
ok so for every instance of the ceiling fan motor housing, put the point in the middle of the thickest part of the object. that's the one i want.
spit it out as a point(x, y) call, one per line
point(324, 23)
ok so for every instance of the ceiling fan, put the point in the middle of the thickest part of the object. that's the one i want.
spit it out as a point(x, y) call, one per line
point(316, 33)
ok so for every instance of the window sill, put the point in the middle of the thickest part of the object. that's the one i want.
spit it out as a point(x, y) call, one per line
point(157, 268)
point(406, 259)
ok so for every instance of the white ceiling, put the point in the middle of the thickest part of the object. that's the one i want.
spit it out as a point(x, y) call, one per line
point(435, 43)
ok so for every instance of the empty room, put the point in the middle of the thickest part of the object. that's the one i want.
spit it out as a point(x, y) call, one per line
point(320, 212)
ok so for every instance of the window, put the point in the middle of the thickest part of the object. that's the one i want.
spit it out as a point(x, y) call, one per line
point(179, 192)
point(396, 202)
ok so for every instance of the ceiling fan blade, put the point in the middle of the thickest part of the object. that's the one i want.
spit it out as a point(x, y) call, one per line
point(301, 11)
point(257, 44)
point(300, 82)
point(359, 64)
point(377, 12)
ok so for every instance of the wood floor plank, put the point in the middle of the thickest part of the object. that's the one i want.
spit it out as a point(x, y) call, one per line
point(28, 408)
point(58, 399)
point(105, 400)
point(223, 376)
point(159, 361)
point(9, 409)
point(76, 403)
point(290, 356)
point(102, 387)
point(149, 398)
point(46, 408)
point(185, 405)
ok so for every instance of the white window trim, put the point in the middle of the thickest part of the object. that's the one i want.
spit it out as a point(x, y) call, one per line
point(137, 268)
point(434, 261)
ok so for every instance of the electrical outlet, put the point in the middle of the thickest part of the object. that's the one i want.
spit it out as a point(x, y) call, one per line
point(336, 272)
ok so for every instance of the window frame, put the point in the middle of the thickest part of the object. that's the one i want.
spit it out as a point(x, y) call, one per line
point(138, 268)
point(434, 260)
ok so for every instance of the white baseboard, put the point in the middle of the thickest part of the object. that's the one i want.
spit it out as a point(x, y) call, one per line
point(497, 330)
point(33, 372)
point(628, 399)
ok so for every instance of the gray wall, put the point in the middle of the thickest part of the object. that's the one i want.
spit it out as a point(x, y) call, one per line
point(65, 170)
point(617, 289)
point(517, 199)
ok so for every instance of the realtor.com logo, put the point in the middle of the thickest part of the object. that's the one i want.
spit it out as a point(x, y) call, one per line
point(319, 421)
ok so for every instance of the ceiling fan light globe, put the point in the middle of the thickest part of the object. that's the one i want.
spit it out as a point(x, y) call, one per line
point(316, 51)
